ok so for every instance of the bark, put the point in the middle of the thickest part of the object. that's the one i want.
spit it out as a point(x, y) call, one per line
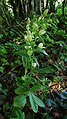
point(63, 5)
point(43, 5)
point(46, 4)
point(40, 7)
point(14, 7)
point(30, 6)
point(52, 7)
point(20, 9)
point(34, 5)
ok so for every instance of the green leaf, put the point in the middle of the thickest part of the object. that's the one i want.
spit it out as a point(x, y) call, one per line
point(45, 12)
point(34, 106)
point(36, 87)
point(43, 70)
point(1, 35)
point(41, 51)
point(35, 101)
point(56, 65)
point(65, 117)
point(2, 49)
point(44, 52)
point(42, 32)
point(21, 90)
point(65, 59)
point(19, 101)
point(38, 101)
point(39, 19)
point(1, 69)
point(0, 87)
point(12, 118)
point(20, 114)
point(28, 21)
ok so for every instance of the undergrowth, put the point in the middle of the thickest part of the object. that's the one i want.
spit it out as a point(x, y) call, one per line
point(33, 59)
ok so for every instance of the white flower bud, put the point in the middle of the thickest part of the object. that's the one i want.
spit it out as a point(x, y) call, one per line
point(34, 65)
point(40, 45)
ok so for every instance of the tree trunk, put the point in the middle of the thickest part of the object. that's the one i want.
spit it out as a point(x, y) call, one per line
point(52, 7)
point(29, 6)
point(46, 4)
point(40, 7)
point(43, 5)
point(21, 9)
point(34, 5)
point(63, 5)
point(14, 7)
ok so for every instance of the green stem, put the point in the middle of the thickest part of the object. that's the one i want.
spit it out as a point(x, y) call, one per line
point(26, 67)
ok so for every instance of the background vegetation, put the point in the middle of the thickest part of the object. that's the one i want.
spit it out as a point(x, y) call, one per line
point(33, 59)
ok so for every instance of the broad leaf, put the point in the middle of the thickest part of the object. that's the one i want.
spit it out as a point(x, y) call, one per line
point(45, 12)
point(34, 106)
point(1, 69)
point(1, 35)
point(38, 101)
point(35, 102)
point(35, 87)
point(20, 101)
point(19, 114)
point(21, 90)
